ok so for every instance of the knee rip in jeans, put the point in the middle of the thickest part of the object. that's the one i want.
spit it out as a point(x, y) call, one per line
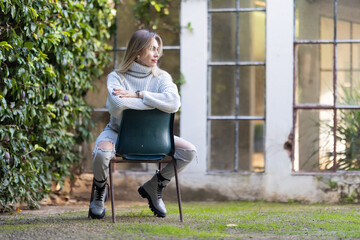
point(105, 149)
point(185, 154)
point(105, 146)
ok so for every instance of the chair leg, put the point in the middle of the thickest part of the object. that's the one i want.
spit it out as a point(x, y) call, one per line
point(112, 192)
point(178, 190)
point(92, 196)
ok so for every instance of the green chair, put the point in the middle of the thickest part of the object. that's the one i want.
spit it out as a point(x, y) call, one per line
point(145, 136)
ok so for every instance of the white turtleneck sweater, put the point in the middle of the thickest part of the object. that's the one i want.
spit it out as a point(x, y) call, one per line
point(158, 92)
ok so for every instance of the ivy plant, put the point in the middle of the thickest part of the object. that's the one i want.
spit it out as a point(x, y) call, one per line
point(150, 14)
point(51, 51)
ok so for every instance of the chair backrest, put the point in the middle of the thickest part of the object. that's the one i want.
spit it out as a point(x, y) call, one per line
point(145, 135)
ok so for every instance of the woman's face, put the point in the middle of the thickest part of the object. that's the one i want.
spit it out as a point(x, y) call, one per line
point(150, 56)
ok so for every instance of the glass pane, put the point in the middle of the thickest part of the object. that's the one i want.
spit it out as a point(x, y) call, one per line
point(348, 74)
point(222, 90)
point(251, 91)
point(170, 62)
point(348, 140)
point(355, 51)
point(252, 36)
point(308, 19)
point(125, 22)
point(314, 141)
point(223, 32)
point(222, 3)
point(326, 28)
point(348, 14)
point(168, 28)
point(222, 145)
point(251, 146)
point(356, 31)
point(314, 74)
point(343, 30)
point(252, 3)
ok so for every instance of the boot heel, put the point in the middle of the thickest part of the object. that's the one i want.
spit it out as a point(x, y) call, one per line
point(142, 192)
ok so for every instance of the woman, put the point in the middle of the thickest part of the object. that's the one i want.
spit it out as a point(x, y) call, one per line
point(138, 84)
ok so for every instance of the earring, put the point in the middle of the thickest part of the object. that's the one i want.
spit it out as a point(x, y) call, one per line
point(138, 57)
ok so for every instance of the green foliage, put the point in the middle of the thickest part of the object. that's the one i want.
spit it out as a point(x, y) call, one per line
point(348, 132)
point(189, 27)
point(180, 81)
point(150, 13)
point(348, 199)
point(50, 53)
point(332, 184)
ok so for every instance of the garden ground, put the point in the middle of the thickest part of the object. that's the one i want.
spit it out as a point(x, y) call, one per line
point(202, 220)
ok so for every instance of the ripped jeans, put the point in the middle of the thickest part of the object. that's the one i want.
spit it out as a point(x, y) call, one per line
point(101, 157)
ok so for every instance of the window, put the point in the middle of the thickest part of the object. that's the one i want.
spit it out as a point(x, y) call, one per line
point(236, 83)
point(326, 85)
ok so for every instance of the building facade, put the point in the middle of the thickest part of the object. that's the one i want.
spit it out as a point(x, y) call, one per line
point(270, 101)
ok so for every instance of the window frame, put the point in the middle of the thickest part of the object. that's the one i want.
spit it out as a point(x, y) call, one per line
point(237, 63)
point(335, 106)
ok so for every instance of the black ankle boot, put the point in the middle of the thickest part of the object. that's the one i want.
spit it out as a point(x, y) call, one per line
point(152, 190)
point(97, 208)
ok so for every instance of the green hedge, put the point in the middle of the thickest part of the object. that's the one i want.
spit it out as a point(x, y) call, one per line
point(51, 51)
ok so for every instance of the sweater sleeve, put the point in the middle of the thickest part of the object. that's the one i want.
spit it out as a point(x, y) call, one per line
point(167, 98)
point(115, 104)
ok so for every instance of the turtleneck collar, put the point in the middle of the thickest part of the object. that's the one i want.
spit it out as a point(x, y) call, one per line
point(138, 70)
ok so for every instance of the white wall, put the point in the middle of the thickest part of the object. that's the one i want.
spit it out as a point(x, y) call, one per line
point(193, 63)
point(279, 95)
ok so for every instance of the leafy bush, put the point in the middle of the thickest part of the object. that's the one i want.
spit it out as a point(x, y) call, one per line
point(348, 132)
point(151, 14)
point(51, 51)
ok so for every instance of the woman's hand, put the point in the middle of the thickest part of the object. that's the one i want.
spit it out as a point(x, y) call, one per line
point(125, 93)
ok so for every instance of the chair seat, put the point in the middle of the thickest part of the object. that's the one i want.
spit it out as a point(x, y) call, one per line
point(143, 157)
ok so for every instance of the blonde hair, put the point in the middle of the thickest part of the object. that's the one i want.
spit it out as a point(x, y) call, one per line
point(139, 41)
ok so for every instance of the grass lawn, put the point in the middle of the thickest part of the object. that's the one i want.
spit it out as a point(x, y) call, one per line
point(202, 220)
